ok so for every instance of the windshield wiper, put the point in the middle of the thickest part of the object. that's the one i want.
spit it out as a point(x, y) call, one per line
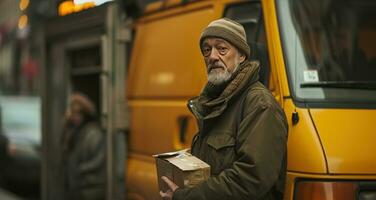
point(367, 85)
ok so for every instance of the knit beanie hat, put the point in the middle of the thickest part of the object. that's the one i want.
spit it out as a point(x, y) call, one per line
point(228, 30)
point(86, 105)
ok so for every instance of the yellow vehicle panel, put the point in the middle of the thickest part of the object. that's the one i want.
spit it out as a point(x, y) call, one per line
point(151, 74)
point(304, 148)
point(155, 126)
point(348, 138)
point(141, 178)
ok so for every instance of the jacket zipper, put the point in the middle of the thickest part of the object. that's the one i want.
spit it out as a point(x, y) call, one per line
point(197, 115)
point(199, 120)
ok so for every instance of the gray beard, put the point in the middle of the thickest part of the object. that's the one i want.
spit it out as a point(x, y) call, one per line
point(218, 78)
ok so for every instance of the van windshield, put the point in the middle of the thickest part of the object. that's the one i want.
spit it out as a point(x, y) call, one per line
point(330, 50)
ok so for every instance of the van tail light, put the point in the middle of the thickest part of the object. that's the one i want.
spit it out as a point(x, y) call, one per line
point(326, 190)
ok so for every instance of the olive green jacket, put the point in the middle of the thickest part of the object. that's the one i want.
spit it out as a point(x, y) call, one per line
point(243, 137)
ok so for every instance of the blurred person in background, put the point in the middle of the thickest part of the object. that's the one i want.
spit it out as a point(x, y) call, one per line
point(83, 148)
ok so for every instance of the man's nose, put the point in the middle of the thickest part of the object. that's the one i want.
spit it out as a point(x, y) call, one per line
point(214, 54)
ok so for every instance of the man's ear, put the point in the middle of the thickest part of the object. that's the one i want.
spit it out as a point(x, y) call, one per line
point(242, 58)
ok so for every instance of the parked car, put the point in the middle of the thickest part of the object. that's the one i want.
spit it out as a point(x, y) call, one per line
point(21, 132)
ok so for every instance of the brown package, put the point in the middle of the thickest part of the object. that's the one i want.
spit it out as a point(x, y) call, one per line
point(184, 169)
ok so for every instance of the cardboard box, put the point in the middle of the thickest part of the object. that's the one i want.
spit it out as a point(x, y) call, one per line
point(184, 169)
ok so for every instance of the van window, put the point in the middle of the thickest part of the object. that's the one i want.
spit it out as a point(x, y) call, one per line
point(330, 50)
point(250, 16)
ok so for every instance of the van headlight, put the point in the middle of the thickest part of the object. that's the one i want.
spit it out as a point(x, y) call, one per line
point(333, 190)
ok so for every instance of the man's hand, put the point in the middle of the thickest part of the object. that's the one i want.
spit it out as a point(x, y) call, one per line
point(168, 194)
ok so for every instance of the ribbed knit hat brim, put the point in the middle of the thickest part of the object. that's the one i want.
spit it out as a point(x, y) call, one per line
point(228, 30)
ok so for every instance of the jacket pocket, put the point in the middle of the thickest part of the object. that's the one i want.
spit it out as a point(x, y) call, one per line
point(220, 141)
point(221, 152)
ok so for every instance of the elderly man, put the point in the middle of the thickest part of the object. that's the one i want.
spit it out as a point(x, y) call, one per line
point(242, 129)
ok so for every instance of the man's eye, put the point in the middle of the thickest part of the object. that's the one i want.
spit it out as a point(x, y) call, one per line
point(206, 51)
point(222, 49)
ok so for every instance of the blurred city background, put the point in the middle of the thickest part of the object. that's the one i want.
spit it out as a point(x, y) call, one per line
point(316, 54)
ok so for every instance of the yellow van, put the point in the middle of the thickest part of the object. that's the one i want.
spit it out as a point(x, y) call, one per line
point(317, 57)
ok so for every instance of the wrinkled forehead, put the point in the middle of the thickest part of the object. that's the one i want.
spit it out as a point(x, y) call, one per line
point(214, 41)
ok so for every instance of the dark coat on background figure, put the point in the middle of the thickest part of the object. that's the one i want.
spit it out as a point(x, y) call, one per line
point(84, 162)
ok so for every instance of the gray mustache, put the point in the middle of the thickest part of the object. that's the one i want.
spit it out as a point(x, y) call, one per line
point(216, 65)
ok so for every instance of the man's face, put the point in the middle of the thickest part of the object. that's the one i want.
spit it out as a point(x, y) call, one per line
point(221, 59)
point(75, 115)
